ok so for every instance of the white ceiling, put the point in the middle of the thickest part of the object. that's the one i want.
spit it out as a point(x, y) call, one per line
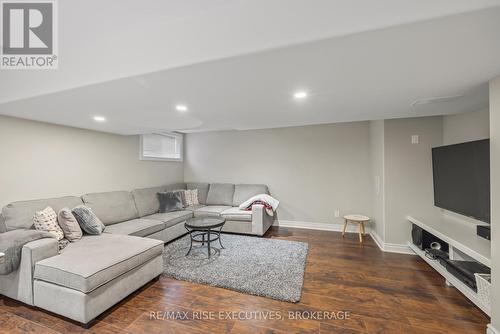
point(236, 63)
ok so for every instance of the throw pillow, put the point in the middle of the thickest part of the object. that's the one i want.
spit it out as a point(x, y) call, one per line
point(69, 225)
point(46, 220)
point(192, 197)
point(88, 221)
point(182, 192)
point(170, 201)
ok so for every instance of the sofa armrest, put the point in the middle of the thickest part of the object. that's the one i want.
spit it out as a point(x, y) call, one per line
point(261, 221)
point(33, 252)
point(19, 284)
point(40, 249)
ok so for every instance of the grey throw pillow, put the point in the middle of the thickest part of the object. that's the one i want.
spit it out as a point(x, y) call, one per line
point(69, 225)
point(88, 221)
point(170, 201)
point(182, 193)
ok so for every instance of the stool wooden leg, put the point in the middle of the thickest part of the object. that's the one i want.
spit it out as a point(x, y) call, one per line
point(343, 230)
point(360, 232)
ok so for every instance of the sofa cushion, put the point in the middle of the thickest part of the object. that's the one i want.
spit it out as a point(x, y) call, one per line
point(210, 211)
point(112, 207)
point(242, 192)
point(175, 186)
point(146, 200)
point(171, 218)
point(136, 227)
point(236, 214)
point(19, 215)
point(3, 228)
point(220, 194)
point(194, 207)
point(202, 190)
point(95, 260)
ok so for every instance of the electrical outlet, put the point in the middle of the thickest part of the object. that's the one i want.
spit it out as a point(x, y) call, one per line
point(415, 139)
point(337, 213)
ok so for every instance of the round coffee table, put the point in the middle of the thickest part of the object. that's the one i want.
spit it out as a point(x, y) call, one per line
point(209, 227)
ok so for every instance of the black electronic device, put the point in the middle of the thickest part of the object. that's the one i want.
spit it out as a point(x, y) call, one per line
point(437, 254)
point(416, 235)
point(431, 241)
point(461, 174)
point(465, 270)
point(484, 231)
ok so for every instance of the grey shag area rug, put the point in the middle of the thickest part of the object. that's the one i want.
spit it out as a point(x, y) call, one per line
point(264, 267)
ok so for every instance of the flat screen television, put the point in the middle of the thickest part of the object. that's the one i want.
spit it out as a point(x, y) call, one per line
point(462, 178)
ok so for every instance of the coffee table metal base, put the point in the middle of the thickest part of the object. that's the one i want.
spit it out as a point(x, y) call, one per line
point(205, 236)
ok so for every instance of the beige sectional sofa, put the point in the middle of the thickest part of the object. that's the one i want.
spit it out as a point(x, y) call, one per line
point(94, 273)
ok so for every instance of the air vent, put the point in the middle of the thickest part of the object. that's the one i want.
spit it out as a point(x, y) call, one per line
point(436, 99)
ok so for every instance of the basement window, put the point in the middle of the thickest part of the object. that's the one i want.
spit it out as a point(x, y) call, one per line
point(161, 146)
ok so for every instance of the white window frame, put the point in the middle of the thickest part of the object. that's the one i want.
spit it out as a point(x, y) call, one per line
point(180, 140)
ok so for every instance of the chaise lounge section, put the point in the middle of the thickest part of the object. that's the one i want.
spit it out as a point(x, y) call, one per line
point(91, 275)
point(94, 274)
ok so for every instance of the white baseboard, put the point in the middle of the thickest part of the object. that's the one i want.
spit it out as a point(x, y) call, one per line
point(336, 227)
point(491, 330)
point(378, 240)
point(351, 228)
point(389, 247)
point(398, 248)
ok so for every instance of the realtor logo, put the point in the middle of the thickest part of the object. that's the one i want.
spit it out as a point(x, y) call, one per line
point(28, 35)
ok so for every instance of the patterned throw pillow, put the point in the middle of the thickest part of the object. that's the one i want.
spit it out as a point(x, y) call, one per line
point(191, 197)
point(46, 220)
point(181, 192)
point(88, 220)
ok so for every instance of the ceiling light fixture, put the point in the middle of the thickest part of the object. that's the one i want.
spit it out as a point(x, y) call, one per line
point(181, 107)
point(100, 119)
point(300, 95)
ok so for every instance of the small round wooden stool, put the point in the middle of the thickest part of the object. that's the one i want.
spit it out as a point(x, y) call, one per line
point(358, 219)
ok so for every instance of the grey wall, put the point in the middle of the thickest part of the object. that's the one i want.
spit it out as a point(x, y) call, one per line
point(459, 128)
point(312, 170)
point(407, 168)
point(377, 157)
point(408, 172)
point(40, 160)
point(495, 199)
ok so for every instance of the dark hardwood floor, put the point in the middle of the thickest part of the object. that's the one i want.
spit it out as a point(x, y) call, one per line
point(384, 293)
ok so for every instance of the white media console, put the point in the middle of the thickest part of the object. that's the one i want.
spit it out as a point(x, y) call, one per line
point(464, 244)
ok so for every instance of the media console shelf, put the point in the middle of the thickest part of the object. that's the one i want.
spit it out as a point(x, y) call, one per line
point(464, 244)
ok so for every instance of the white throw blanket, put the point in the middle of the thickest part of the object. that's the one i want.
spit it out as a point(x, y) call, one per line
point(259, 199)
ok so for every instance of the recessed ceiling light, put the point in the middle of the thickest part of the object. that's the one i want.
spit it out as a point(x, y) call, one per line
point(181, 107)
point(100, 119)
point(300, 95)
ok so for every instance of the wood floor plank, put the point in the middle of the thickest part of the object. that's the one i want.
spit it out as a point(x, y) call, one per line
point(383, 293)
point(11, 323)
point(242, 327)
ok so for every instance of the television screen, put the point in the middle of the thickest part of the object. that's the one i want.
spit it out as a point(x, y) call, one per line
point(462, 178)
